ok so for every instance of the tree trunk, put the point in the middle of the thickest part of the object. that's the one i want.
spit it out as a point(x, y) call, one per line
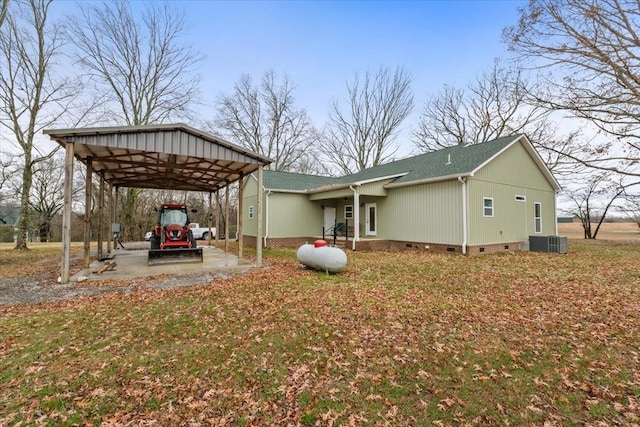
point(25, 209)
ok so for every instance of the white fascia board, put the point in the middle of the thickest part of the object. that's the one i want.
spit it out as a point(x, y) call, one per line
point(332, 187)
point(428, 180)
point(382, 178)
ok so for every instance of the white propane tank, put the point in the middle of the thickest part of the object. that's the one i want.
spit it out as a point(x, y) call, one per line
point(322, 257)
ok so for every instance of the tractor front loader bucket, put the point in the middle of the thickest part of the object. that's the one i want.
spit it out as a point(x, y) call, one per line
point(172, 256)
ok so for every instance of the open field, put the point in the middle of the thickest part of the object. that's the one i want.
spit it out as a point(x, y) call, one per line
point(399, 339)
point(608, 231)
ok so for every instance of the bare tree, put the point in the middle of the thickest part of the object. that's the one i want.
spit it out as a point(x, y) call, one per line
point(361, 136)
point(265, 119)
point(141, 69)
point(591, 51)
point(31, 98)
point(143, 72)
point(496, 104)
point(593, 199)
point(47, 194)
point(4, 7)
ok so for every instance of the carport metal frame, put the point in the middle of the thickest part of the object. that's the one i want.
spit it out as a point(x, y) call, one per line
point(170, 156)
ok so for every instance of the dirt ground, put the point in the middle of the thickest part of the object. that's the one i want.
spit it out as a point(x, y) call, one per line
point(43, 287)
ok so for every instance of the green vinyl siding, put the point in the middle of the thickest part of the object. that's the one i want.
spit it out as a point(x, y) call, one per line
point(293, 215)
point(514, 173)
point(514, 167)
point(250, 198)
point(430, 213)
point(512, 220)
point(374, 188)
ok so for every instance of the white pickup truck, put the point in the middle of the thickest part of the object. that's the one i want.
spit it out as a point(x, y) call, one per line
point(201, 233)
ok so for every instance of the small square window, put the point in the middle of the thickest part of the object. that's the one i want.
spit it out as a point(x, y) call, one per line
point(487, 207)
point(250, 212)
point(348, 211)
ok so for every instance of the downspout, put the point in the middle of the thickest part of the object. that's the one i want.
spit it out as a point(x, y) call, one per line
point(464, 214)
point(555, 210)
point(266, 217)
point(356, 217)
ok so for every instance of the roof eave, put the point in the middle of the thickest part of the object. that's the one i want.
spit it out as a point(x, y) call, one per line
point(429, 180)
point(59, 134)
point(332, 187)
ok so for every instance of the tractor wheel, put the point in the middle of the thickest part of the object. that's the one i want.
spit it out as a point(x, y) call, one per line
point(155, 242)
point(194, 244)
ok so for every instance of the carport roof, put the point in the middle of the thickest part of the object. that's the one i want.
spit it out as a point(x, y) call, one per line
point(168, 156)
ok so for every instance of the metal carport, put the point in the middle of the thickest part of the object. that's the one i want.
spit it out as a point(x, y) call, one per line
point(168, 156)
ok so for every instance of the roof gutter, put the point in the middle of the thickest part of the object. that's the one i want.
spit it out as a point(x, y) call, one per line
point(464, 214)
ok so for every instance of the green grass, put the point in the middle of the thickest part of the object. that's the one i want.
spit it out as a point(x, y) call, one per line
point(399, 338)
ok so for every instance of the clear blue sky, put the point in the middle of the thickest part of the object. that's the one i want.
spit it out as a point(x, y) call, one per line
point(320, 44)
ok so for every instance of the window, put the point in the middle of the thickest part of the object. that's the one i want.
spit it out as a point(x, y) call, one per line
point(250, 212)
point(520, 198)
point(348, 211)
point(487, 207)
point(537, 216)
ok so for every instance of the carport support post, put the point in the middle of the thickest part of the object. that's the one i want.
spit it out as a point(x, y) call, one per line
point(259, 207)
point(115, 216)
point(240, 194)
point(209, 213)
point(110, 218)
point(218, 215)
point(87, 214)
point(100, 214)
point(226, 217)
point(66, 213)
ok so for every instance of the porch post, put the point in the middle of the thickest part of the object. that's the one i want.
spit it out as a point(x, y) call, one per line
point(240, 207)
point(226, 217)
point(356, 217)
point(259, 207)
point(66, 213)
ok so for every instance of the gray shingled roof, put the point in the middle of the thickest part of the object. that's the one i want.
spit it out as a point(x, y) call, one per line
point(274, 180)
point(457, 160)
point(453, 161)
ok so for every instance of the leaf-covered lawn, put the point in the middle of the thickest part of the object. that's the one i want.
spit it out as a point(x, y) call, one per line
point(401, 338)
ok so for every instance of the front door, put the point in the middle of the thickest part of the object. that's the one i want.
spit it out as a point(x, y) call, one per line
point(329, 218)
point(371, 221)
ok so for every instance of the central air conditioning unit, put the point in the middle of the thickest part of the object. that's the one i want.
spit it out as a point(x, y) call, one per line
point(554, 244)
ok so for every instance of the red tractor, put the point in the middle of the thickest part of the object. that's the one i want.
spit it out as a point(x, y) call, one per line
point(172, 239)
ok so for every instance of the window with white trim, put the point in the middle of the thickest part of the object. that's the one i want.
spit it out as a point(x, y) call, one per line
point(487, 206)
point(521, 198)
point(250, 212)
point(348, 211)
point(537, 216)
